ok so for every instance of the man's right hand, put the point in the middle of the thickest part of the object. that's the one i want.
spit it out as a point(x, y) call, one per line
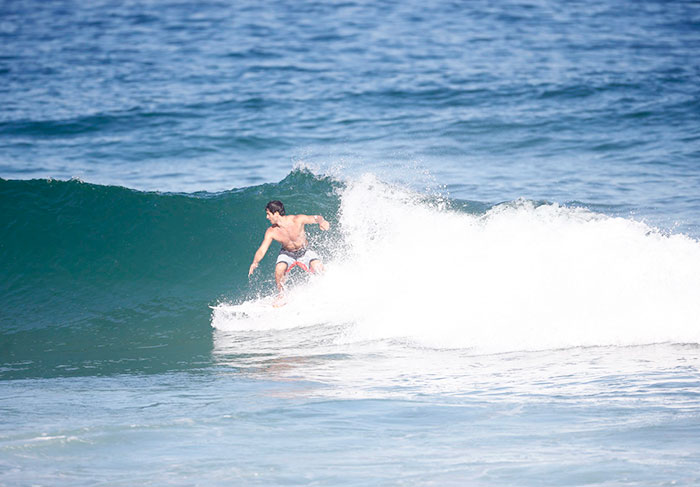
point(253, 266)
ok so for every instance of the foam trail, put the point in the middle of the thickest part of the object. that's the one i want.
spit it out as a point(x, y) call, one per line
point(520, 277)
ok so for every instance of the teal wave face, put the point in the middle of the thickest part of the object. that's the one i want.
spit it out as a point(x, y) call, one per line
point(90, 267)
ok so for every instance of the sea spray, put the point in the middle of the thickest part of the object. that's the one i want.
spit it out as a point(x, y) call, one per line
point(521, 276)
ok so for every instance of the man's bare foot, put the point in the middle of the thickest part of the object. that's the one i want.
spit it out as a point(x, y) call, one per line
point(279, 301)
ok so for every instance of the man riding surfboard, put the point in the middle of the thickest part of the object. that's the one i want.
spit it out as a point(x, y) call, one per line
point(289, 231)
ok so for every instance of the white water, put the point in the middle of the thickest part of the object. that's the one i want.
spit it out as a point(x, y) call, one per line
point(520, 277)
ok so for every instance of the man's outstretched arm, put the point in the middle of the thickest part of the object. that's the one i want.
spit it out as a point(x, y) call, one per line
point(322, 222)
point(260, 253)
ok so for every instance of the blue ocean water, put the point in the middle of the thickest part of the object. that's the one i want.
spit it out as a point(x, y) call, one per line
point(512, 269)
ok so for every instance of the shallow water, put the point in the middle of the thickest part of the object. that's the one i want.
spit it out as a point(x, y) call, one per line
point(271, 412)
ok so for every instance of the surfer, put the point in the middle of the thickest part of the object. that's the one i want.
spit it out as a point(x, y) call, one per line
point(289, 231)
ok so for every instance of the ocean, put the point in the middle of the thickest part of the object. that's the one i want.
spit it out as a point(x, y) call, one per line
point(511, 292)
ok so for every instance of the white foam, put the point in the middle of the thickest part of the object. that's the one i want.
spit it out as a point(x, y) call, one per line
point(520, 277)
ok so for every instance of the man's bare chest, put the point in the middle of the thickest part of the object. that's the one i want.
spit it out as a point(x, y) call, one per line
point(289, 234)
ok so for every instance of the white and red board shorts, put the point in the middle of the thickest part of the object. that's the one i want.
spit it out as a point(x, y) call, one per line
point(302, 258)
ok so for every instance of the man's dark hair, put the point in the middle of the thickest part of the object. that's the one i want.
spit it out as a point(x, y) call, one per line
point(276, 207)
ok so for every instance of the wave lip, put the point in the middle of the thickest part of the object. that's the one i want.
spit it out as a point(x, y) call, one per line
point(521, 276)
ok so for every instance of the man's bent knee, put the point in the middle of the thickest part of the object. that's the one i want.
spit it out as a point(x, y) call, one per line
point(280, 270)
point(316, 266)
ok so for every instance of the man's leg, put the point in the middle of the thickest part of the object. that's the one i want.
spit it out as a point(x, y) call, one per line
point(316, 266)
point(280, 275)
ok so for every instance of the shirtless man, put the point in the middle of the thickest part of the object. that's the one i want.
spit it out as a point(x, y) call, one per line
point(289, 231)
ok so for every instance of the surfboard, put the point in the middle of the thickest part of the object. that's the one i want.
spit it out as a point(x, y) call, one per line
point(250, 309)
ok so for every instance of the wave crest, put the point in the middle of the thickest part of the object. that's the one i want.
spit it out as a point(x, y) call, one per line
point(521, 276)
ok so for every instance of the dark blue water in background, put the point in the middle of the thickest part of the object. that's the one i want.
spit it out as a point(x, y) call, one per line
point(590, 101)
point(140, 140)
